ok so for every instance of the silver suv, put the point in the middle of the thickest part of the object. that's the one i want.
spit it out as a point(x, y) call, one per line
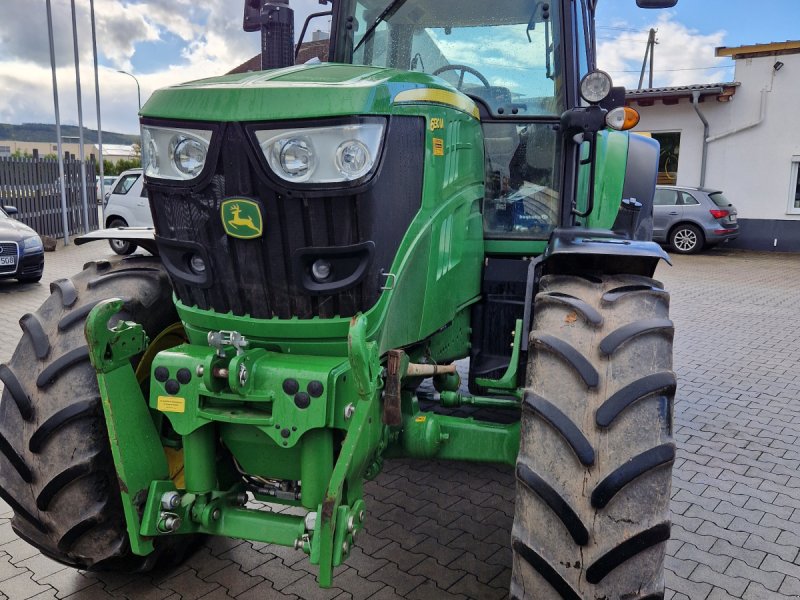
point(690, 219)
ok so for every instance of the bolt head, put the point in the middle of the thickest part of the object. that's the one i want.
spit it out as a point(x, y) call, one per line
point(199, 370)
point(351, 523)
point(170, 500)
point(345, 547)
point(216, 514)
point(311, 521)
point(362, 514)
point(349, 410)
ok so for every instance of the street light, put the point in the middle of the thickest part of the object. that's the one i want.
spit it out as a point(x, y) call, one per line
point(138, 89)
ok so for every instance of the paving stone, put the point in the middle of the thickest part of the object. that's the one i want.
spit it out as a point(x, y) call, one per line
point(21, 587)
point(402, 558)
point(756, 591)
point(732, 584)
point(393, 577)
point(768, 579)
point(188, 585)
point(442, 577)
point(717, 562)
point(307, 588)
point(751, 557)
point(264, 591)
point(277, 573)
point(234, 579)
point(470, 587)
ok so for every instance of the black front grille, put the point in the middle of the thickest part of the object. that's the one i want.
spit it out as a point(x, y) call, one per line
point(262, 277)
point(9, 249)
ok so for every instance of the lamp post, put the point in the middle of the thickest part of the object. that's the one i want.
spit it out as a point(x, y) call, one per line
point(138, 89)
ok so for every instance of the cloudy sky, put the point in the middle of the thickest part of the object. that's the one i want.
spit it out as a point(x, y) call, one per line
point(168, 41)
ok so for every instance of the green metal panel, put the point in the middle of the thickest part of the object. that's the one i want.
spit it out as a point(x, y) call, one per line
point(610, 163)
point(315, 91)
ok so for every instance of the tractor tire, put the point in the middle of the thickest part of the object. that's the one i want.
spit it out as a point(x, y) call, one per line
point(596, 451)
point(56, 468)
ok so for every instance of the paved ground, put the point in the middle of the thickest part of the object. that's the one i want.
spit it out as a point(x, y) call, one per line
point(439, 530)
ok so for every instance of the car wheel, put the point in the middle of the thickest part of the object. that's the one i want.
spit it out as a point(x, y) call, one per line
point(686, 239)
point(121, 246)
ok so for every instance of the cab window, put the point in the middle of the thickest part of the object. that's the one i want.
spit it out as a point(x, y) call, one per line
point(507, 53)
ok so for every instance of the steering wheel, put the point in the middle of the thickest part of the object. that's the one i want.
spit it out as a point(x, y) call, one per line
point(464, 70)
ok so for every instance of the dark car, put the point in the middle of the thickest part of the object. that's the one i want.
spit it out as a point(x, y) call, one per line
point(690, 219)
point(21, 250)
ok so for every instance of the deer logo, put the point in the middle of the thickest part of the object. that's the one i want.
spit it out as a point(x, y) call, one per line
point(241, 218)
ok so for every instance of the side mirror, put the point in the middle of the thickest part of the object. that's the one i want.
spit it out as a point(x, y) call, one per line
point(10, 210)
point(656, 3)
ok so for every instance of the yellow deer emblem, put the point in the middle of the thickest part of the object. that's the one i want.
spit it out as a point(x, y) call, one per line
point(242, 219)
point(239, 221)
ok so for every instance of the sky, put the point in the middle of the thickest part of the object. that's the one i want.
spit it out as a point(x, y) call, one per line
point(163, 42)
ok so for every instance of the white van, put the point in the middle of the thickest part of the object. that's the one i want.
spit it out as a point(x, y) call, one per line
point(127, 206)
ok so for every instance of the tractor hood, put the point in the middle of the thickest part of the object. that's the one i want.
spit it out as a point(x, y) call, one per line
point(301, 92)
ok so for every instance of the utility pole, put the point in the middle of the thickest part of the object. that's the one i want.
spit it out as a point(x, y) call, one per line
point(97, 101)
point(64, 220)
point(80, 120)
point(649, 52)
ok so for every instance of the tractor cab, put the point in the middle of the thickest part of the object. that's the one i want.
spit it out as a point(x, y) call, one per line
point(510, 58)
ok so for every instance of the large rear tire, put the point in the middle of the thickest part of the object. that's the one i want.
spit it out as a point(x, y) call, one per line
point(595, 462)
point(56, 468)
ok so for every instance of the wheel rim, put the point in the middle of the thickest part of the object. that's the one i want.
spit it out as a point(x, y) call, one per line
point(119, 245)
point(685, 239)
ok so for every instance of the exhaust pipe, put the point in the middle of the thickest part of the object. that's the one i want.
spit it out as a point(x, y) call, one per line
point(275, 20)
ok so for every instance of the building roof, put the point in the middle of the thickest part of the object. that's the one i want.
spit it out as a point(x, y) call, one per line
point(117, 150)
point(722, 92)
point(755, 50)
point(308, 50)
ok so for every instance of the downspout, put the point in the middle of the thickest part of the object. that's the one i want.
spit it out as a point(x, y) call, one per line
point(761, 115)
point(695, 104)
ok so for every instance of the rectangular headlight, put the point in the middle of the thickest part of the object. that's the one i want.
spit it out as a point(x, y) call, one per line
point(332, 154)
point(172, 153)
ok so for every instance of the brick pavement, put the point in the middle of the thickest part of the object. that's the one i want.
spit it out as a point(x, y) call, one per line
point(439, 530)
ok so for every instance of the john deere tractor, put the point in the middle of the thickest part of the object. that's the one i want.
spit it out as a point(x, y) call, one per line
point(456, 183)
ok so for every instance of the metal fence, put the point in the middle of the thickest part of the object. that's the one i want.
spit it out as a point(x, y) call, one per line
point(32, 186)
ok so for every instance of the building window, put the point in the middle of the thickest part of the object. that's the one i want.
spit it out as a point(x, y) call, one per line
point(5, 150)
point(668, 159)
point(794, 188)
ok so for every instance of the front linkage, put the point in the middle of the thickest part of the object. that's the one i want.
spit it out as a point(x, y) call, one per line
point(243, 419)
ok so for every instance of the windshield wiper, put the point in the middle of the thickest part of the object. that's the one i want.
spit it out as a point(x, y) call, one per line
point(393, 6)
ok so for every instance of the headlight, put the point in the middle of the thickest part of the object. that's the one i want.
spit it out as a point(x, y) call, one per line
point(596, 86)
point(334, 154)
point(170, 153)
point(32, 244)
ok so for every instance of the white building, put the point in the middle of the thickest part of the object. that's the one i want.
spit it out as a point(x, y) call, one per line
point(751, 142)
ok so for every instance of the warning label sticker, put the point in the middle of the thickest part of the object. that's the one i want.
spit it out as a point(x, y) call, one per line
point(172, 404)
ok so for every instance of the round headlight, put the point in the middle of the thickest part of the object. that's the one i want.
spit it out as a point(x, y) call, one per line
point(353, 159)
point(321, 269)
point(296, 157)
point(197, 264)
point(188, 154)
point(596, 86)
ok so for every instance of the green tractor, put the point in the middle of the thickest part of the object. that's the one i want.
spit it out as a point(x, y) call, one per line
point(456, 183)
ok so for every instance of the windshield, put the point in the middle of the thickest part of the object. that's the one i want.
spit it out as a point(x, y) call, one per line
point(506, 52)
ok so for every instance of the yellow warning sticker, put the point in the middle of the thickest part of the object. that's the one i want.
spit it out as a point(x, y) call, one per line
point(172, 404)
point(438, 147)
point(421, 419)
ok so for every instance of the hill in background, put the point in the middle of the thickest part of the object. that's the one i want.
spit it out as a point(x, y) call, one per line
point(44, 132)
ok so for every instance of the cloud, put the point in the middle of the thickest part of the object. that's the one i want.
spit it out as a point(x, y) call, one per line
point(681, 55)
point(208, 32)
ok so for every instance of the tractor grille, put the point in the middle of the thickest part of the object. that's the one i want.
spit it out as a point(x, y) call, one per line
point(264, 277)
point(9, 249)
